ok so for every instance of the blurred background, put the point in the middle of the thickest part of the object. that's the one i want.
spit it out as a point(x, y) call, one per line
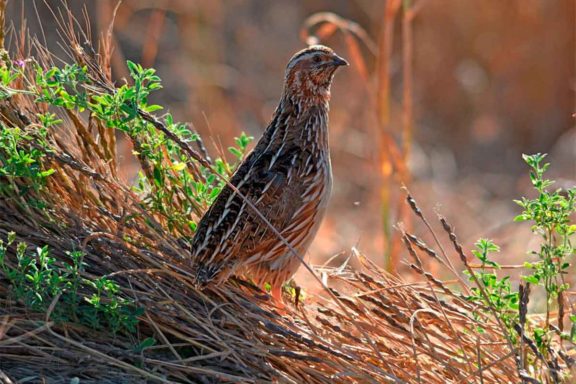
point(443, 95)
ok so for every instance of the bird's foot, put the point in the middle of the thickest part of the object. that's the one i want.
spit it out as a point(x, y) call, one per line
point(278, 301)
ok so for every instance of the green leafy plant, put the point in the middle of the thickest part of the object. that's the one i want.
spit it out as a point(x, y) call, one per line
point(19, 160)
point(550, 214)
point(500, 294)
point(62, 87)
point(172, 185)
point(23, 166)
point(37, 280)
point(169, 181)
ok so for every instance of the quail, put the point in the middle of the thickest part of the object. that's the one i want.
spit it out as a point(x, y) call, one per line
point(287, 177)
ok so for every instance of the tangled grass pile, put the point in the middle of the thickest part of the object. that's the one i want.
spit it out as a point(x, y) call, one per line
point(95, 281)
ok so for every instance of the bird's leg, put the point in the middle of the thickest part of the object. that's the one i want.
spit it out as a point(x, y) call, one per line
point(276, 292)
point(297, 291)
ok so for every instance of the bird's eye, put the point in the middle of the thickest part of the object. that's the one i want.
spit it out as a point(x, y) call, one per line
point(317, 59)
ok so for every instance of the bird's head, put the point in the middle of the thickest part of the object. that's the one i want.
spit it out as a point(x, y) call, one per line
point(309, 72)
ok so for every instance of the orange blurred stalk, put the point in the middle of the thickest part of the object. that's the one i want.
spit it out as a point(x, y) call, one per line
point(403, 212)
point(2, 18)
point(385, 45)
point(393, 159)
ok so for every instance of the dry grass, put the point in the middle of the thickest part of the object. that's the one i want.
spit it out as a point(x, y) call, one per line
point(380, 329)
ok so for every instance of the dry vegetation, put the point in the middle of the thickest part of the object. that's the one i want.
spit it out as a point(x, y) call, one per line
point(373, 327)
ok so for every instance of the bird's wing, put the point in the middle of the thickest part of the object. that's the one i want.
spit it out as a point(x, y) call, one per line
point(231, 232)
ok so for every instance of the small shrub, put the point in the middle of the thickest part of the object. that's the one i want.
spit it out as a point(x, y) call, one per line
point(501, 296)
point(37, 280)
point(550, 214)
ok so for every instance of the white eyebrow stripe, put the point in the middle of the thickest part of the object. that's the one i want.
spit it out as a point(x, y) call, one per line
point(300, 58)
point(307, 53)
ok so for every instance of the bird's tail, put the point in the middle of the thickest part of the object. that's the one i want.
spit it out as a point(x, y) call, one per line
point(206, 274)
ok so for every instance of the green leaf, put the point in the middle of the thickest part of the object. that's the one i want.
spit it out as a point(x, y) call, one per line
point(132, 67)
point(236, 152)
point(146, 343)
point(152, 108)
point(214, 193)
point(531, 279)
point(47, 172)
point(158, 176)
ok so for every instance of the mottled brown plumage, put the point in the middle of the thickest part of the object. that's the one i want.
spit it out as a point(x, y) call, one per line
point(287, 177)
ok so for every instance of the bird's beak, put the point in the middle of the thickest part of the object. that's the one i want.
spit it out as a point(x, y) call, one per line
point(337, 61)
